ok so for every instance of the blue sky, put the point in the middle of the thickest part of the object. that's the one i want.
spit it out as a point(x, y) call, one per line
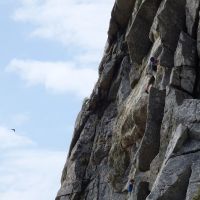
point(49, 56)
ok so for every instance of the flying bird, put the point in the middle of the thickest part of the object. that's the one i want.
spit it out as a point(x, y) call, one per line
point(12, 129)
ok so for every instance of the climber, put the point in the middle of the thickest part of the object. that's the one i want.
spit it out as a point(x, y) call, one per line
point(153, 64)
point(130, 187)
point(153, 70)
point(150, 84)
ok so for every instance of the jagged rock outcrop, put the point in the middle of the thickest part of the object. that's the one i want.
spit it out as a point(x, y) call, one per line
point(122, 132)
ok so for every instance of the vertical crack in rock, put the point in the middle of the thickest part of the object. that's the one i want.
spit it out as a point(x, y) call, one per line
point(142, 191)
point(192, 16)
point(151, 140)
point(138, 33)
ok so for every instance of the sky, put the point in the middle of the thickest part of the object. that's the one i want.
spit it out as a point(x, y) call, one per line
point(49, 56)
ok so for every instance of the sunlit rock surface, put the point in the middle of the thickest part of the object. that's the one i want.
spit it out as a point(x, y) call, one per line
point(122, 132)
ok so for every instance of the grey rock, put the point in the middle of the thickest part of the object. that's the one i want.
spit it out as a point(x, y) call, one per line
point(79, 124)
point(124, 90)
point(142, 190)
point(134, 74)
point(198, 39)
point(188, 78)
point(189, 114)
point(125, 86)
point(175, 79)
point(131, 122)
point(104, 131)
point(167, 57)
point(107, 74)
point(102, 87)
point(190, 146)
point(197, 84)
point(173, 179)
point(179, 137)
point(195, 131)
point(154, 170)
point(120, 15)
point(94, 98)
point(192, 12)
point(183, 78)
point(121, 131)
point(173, 99)
point(64, 198)
point(166, 78)
point(194, 182)
point(77, 162)
point(151, 140)
point(164, 25)
point(120, 86)
point(138, 47)
point(186, 51)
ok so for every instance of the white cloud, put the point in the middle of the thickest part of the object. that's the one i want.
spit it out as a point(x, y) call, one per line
point(19, 119)
point(73, 22)
point(58, 77)
point(28, 172)
point(80, 25)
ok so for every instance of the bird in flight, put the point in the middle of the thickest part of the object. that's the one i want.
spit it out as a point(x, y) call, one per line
point(12, 129)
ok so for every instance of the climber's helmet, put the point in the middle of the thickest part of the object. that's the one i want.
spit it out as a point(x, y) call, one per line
point(152, 59)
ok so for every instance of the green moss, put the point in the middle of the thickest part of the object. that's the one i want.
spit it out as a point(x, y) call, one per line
point(197, 197)
point(118, 161)
point(85, 100)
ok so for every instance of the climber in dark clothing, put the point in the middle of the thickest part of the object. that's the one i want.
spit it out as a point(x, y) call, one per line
point(130, 187)
point(150, 84)
point(153, 64)
point(153, 70)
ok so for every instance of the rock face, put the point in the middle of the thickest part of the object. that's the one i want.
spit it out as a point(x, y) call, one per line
point(122, 132)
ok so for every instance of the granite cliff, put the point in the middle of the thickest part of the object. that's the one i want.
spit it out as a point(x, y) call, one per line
point(122, 132)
